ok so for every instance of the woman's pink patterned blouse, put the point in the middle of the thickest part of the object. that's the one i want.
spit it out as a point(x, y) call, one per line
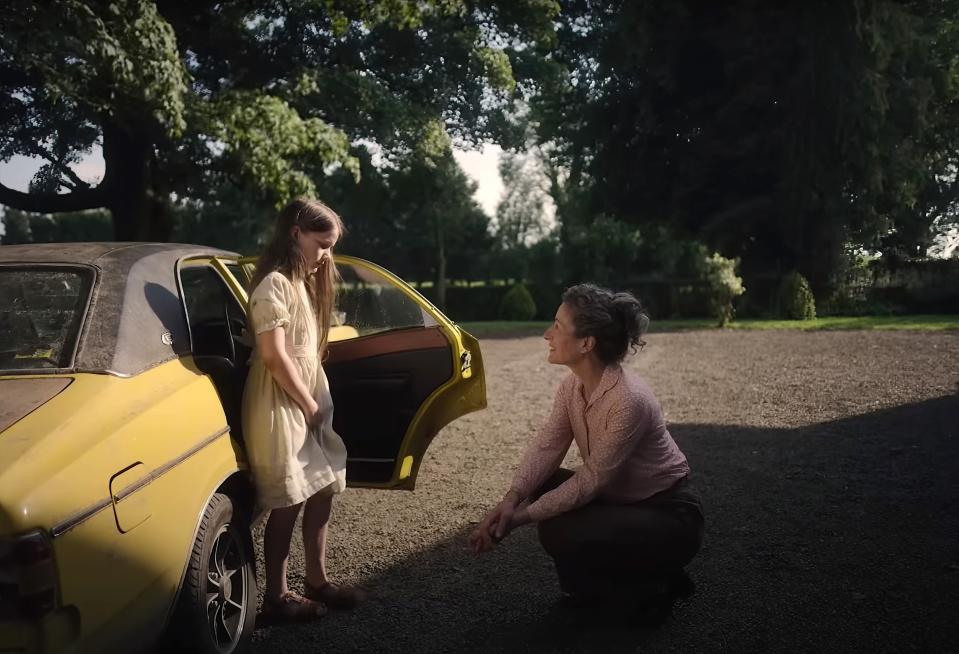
point(627, 451)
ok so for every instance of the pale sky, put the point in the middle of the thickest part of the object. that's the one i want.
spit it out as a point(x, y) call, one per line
point(480, 165)
point(18, 172)
point(483, 167)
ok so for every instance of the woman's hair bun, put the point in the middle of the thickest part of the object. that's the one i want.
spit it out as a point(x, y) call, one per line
point(630, 312)
point(616, 321)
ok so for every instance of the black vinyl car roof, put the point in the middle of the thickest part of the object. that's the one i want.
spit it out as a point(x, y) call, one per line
point(135, 319)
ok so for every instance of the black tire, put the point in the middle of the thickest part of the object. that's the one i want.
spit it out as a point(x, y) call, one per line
point(214, 616)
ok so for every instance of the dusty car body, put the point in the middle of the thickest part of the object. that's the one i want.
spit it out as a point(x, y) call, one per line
point(124, 498)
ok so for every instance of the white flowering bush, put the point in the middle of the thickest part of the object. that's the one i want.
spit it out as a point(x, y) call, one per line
point(724, 286)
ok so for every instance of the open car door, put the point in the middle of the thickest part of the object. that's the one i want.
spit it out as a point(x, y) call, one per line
point(399, 371)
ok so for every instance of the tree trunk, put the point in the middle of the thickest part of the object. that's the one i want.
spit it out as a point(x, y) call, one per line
point(160, 226)
point(79, 200)
point(440, 265)
point(572, 204)
point(140, 213)
point(822, 257)
point(137, 212)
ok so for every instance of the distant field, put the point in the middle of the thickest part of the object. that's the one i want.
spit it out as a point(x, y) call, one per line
point(501, 328)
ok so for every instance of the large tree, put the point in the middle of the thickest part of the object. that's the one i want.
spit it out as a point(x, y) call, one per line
point(777, 132)
point(521, 212)
point(444, 232)
point(268, 95)
point(415, 215)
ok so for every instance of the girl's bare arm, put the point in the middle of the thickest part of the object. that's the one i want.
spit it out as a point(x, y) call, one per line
point(272, 346)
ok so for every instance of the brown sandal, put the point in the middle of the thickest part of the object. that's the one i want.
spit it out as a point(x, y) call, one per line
point(333, 595)
point(291, 607)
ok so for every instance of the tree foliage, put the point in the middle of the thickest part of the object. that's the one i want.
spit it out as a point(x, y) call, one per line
point(444, 231)
point(184, 97)
point(416, 215)
point(521, 212)
point(23, 227)
point(774, 132)
point(784, 135)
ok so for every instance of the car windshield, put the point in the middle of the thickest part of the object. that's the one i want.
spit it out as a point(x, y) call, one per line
point(41, 311)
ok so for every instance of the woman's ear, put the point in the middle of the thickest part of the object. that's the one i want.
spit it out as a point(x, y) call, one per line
point(588, 344)
point(295, 231)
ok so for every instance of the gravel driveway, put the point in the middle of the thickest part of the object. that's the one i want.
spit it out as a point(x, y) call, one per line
point(828, 463)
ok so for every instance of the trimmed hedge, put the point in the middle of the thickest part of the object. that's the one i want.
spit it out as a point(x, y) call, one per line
point(469, 303)
point(910, 288)
point(517, 304)
point(796, 301)
point(661, 299)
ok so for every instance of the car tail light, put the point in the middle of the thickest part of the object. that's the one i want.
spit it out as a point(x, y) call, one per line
point(28, 577)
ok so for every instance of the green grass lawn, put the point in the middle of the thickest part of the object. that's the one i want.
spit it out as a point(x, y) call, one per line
point(503, 329)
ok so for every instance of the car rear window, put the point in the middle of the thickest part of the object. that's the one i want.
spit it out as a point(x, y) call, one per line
point(41, 311)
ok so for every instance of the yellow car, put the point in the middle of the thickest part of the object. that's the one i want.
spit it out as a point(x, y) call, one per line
point(125, 503)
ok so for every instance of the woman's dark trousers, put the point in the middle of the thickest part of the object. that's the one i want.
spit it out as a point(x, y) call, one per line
point(606, 550)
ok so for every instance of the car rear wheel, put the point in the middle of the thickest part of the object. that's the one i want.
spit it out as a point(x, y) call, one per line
point(217, 606)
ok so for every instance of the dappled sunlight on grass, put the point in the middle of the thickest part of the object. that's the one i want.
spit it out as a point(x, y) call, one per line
point(503, 328)
point(923, 322)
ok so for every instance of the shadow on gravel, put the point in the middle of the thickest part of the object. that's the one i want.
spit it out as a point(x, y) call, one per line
point(841, 536)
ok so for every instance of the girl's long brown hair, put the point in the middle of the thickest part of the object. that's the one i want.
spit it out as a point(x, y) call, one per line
point(283, 254)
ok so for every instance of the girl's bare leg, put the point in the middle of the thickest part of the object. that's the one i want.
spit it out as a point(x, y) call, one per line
point(316, 518)
point(276, 549)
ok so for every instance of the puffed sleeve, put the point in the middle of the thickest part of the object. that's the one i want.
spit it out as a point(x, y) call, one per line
point(270, 303)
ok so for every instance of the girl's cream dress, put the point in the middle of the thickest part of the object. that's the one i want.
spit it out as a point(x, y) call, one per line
point(289, 461)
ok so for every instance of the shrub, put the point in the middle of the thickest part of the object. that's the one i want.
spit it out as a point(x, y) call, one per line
point(796, 301)
point(604, 250)
point(517, 304)
point(724, 286)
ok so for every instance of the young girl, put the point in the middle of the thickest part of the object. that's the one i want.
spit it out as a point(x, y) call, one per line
point(296, 458)
point(621, 527)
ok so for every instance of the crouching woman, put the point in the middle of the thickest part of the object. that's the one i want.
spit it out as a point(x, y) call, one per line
point(624, 524)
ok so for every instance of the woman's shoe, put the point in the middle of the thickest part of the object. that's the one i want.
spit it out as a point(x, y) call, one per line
point(334, 596)
point(655, 611)
point(655, 606)
point(681, 585)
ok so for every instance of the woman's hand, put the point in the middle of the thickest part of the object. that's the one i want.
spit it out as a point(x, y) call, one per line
point(484, 537)
point(496, 525)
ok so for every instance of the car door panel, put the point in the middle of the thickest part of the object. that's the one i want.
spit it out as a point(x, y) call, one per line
point(399, 371)
point(378, 384)
point(392, 342)
point(218, 340)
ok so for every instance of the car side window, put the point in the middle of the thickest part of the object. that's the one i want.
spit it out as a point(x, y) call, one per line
point(369, 303)
point(41, 311)
point(214, 316)
point(240, 273)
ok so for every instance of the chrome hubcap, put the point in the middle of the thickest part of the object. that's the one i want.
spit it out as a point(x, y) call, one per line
point(227, 595)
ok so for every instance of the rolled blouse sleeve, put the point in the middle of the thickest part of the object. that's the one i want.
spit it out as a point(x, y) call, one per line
point(546, 450)
point(270, 303)
point(624, 427)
